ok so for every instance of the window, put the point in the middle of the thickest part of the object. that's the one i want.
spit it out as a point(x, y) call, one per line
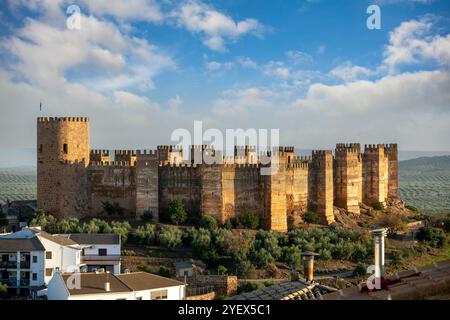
point(48, 272)
point(34, 259)
point(48, 254)
point(65, 148)
point(158, 295)
point(34, 276)
point(102, 252)
point(40, 148)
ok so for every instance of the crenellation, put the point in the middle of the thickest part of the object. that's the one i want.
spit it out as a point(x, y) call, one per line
point(74, 180)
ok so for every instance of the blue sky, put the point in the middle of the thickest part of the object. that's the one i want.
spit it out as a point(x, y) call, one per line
point(140, 69)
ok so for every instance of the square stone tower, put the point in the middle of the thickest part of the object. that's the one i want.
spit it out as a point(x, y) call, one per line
point(62, 159)
point(321, 185)
point(375, 174)
point(348, 176)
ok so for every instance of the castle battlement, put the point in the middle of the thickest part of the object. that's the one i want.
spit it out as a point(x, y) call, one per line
point(316, 153)
point(300, 165)
point(373, 147)
point(99, 152)
point(58, 119)
point(182, 165)
point(74, 180)
point(73, 162)
point(170, 148)
point(146, 153)
point(304, 158)
point(125, 152)
point(202, 147)
point(109, 164)
point(391, 146)
point(347, 150)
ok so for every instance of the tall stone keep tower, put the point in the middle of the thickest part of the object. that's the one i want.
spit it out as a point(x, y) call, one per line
point(321, 184)
point(62, 160)
point(348, 176)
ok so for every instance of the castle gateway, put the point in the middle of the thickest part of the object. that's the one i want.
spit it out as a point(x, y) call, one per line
point(75, 181)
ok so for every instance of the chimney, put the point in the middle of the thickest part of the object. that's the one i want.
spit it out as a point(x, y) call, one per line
point(308, 265)
point(379, 235)
point(107, 283)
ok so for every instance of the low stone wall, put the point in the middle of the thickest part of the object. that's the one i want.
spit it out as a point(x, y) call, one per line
point(223, 285)
point(206, 296)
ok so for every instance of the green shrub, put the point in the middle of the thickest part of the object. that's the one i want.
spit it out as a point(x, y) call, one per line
point(222, 270)
point(46, 221)
point(170, 237)
point(262, 258)
point(392, 223)
point(127, 252)
point(435, 237)
point(447, 224)
point(3, 290)
point(147, 215)
point(122, 229)
point(412, 208)
point(291, 256)
point(250, 286)
point(244, 269)
point(377, 205)
point(145, 268)
point(145, 234)
point(249, 220)
point(164, 272)
point(360, 270)
point(311, 217)
point(177, 214)
point(397, 258)
point(208, 222)
point(69, 225)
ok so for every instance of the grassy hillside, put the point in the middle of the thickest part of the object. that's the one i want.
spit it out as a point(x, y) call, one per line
point(425, 183)
point(17, 184)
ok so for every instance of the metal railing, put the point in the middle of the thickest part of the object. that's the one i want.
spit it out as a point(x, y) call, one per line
point(8, 264)
point(95, 257)
point(197, 291)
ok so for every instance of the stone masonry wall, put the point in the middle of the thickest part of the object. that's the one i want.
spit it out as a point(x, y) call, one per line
point(348, 177)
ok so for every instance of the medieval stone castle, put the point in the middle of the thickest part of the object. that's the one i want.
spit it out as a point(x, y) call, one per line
point(74, 180)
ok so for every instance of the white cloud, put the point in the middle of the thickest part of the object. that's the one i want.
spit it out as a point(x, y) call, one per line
point(246, 62)
point(215, 27)
point(147, 10)
point(298, 57)
point(410, 109)
point(215, 66)
point(98, 53)
point(349, 72)
point(413, 43)
point(175, 103)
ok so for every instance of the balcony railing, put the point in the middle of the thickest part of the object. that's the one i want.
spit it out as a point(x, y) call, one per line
point(24, 282)
point(10, 282)
point(13, 264)
point(95, 257)
point(8, 264)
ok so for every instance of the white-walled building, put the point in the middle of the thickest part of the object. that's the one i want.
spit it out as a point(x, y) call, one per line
point(61, 253)
point(22, 263)
point(99, 250)
point(147, 286)
point(107, 286)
